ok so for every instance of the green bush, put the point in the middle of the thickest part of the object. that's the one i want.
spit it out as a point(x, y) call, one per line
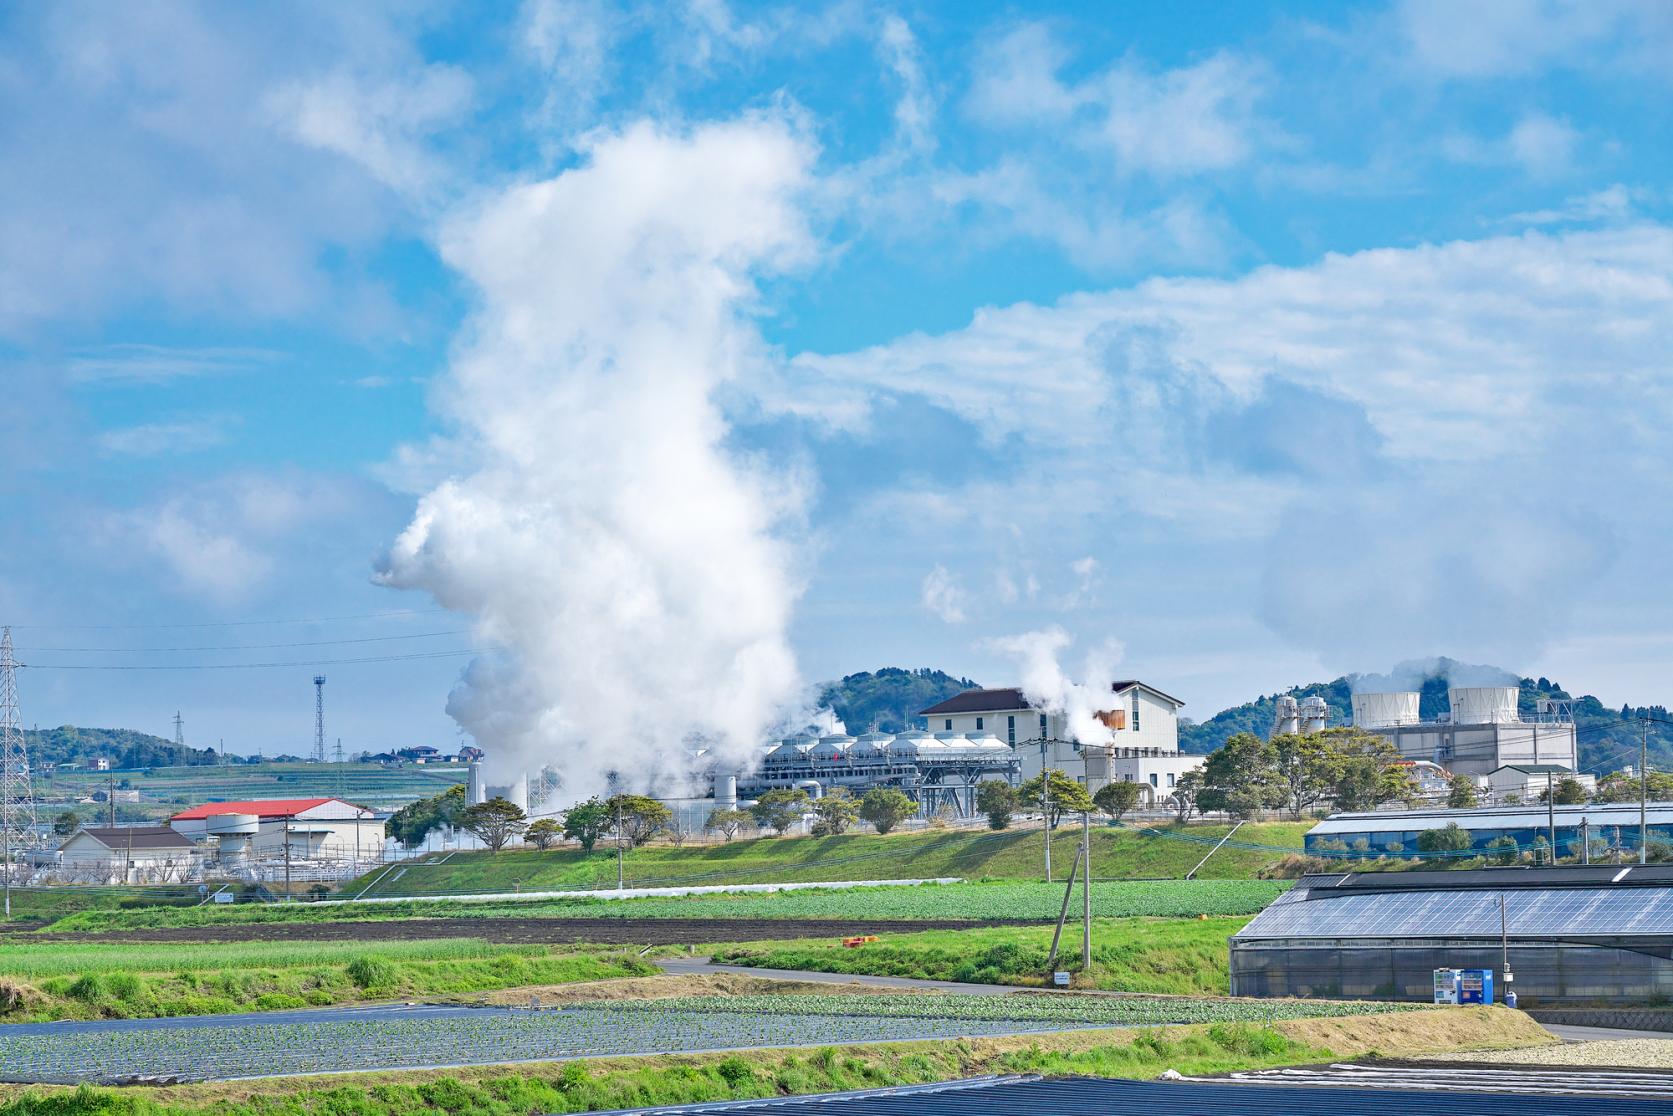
point(89, 989)
point(372, 971)
point(735, 1072)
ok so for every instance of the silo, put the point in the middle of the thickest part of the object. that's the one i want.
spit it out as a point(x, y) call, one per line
point(1287, 717)
point(1483, 705)
point(1315, 714)
point(476, 791)
point(1374, 711)
point(726, 792)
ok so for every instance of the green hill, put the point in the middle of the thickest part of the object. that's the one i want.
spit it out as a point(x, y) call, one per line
point(125, 748)
point(889, 699)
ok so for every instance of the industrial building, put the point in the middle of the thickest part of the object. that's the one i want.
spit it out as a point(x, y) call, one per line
point(1395, 832)
point(1570, 935)
point(1482, 730)
point(301, 828)
point(934, 771)
point(127, 854)
point(1143, 719)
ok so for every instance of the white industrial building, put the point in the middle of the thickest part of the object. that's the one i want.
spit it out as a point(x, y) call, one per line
point(1143, 720)
point(1481, 732)
point(310, 828)
point(1525, 782)
point(127, 854)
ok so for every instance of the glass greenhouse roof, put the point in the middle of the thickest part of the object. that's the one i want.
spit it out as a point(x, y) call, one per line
point(1570, 911)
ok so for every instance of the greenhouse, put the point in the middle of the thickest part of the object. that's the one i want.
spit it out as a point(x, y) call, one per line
point(1572, 935)
point(1395, 832)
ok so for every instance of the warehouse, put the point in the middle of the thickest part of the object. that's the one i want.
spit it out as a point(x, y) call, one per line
point(1600, 934)
point(1603, 828)
point(304, 828)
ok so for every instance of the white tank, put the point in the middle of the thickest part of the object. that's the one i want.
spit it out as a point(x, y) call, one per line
point(726, 792)
point(1315, 714)
point(233, 833)
point(476, 791)
point(1287, 717)
point(1483, 705)
point(1374, 711)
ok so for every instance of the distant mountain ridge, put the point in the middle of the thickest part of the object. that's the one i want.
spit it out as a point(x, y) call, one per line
point(125, 748)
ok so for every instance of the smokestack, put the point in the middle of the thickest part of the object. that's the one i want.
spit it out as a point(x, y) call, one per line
point(726, 793)
point(475, 792)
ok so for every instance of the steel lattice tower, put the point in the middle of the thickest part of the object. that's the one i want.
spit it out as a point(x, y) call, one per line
point(319, 718)
point(179, 730)
point(18, 831)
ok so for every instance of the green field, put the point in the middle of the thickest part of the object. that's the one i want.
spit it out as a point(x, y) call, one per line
point(1011, 854)
point(1171, 956)
point(167, 789)
point(61, 980)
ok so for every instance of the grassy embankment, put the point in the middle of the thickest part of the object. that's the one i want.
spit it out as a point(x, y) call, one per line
point(674, 1079)
point(1016, 854)
point(62, 980)
point(1171, 956)
point(994, 900)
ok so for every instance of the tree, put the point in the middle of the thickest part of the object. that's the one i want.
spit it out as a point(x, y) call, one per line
point(779, 809)
point(545, 832)
point(728, 823)
point(1366, 770)
point(494, 822)
point(1569, 791)
point(1241, 777)
point(1054, 794)
point(998, 800)
point(1185, 793)
point(1115, 799)
point(1462, 794)
point(1450, 838)
point(835, 812)
point(1305, 766)
point(1503, 849)
point(66, 823)
point(586, 822)
point(417, 820)
point(637, 817)
point(884, 808)
point(1618, 786)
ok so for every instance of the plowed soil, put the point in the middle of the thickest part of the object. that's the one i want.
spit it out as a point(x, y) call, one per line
point(531, 931)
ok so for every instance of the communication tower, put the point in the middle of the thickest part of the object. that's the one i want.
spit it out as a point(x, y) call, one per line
point(18, 832)
point(319, 718)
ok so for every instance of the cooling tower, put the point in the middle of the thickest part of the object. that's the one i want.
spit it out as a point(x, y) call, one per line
point(1374, 711)
point(1483, 705)
point(1287, 720)
point(1315, 714)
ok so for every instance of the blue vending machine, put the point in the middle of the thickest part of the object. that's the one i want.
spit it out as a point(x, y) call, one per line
point(1475, 986)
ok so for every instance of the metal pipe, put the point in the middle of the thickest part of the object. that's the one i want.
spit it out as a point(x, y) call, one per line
point(1086, 895)
point(1192, 874)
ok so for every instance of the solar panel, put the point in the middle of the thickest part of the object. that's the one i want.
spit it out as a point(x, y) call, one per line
point(1437, 913)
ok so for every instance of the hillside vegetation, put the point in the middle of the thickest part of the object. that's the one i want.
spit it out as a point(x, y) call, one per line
point(889, 699)
point(125, 748)
point(1010, 854)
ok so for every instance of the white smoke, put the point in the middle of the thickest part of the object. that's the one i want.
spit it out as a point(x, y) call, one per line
point(1046, 686)
point(631, 573)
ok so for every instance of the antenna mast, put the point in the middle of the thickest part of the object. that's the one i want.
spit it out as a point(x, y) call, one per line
point(18, 832)
point(319, 718)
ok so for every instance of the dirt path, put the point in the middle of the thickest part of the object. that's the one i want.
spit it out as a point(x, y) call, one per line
point(530, 931)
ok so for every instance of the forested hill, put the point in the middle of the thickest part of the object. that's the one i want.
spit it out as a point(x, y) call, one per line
point(125, 748)
point(1608, 738)
point(889, 698)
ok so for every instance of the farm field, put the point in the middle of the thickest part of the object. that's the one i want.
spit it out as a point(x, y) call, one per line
point(975, 901)
point(401, 1037)
point(1016, 854)
point(61, 980)
point(1169, 956)
point(169, 788)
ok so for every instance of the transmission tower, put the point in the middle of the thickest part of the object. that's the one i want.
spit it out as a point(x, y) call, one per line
point(17, 796)
point(179, 730)
point(319, 718)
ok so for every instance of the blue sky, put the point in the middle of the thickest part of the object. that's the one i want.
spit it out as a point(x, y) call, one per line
point(1246, 344)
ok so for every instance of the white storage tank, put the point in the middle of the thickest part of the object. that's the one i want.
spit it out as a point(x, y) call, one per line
point(233, 831)
point(1483, 705)
point(1315, 714)
point(1287, 717)
point(1373, 711)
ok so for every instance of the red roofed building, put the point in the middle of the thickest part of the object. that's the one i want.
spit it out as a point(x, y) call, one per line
point(313, 828)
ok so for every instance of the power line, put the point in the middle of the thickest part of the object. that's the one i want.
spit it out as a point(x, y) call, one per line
point(252, 666)
point(387, 614)
point(245, 646)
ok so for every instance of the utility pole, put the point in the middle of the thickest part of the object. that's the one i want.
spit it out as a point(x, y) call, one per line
point(620, 875)
point(18, 832)
point(1644, 791)
point(286, 829)
point(1585, 840)
point(1086, 896)
point(110, 799)
point(1045, 799)
point(1551, 815)
point(1504, 944)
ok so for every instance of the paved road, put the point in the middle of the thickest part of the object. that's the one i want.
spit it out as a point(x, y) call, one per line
point(704, 965)
point(1600, 1034)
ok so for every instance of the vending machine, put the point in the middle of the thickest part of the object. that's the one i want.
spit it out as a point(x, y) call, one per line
point(1475, 986)
point(1446, 985)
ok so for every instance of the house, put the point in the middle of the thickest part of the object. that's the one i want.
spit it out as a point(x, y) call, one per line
point(1525, 782)
point(128, 854)
point(312, 828)
point(1143, 720)
point(102, 763)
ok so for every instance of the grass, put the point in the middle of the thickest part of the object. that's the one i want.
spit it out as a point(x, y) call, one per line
point(1181, 957)
point(58, 980)
point(1016, 854)
point(675, 1079)
point(975, 901)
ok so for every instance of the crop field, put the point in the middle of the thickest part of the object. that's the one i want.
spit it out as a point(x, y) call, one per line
point(426, 1037)
point(975, 901)
point(1015, 854)
point(72, 980)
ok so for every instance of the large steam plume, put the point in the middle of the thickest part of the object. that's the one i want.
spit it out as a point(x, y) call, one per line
point(630, 571)
point(1044, 683)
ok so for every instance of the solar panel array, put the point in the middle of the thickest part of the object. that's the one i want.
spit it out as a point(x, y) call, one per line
point(1600, 911)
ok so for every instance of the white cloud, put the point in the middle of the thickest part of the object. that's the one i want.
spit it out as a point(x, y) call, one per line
point(1544, 145)
point(159, 364)
point(943, 596)
point(157, 439)
point(1493, 38)
point(1612, 204)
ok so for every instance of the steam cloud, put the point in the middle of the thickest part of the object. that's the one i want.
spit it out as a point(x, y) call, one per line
point(631, 573)
point(1044, 683)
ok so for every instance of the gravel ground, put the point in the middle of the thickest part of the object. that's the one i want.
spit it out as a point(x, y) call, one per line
point(1635, 1053)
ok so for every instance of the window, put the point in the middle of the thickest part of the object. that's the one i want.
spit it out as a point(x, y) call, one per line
point(978, 724)
point(1043, 732)
point(1153, 778)
point(1128, 777)
point(949, 724)
point(1170, 779)
point(1011, 731)
point(1135, 711)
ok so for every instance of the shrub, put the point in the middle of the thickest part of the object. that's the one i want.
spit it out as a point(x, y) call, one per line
point(1451, 838)
point(89, 989)
point(1503, 849)
point(735, 1072)
point(372, 972)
